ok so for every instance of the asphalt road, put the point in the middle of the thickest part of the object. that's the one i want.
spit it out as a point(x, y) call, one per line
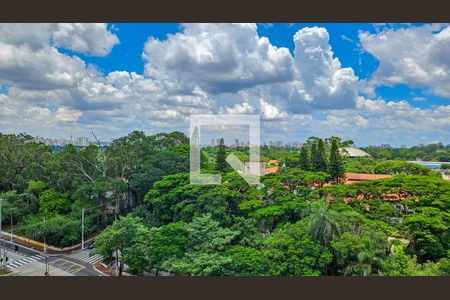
point(87, 270)
point(63, 262)
point(22, 250)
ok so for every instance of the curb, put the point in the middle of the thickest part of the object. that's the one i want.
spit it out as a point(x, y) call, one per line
point(7, 274)
point(51, 248)
point(98, 271)
point(28, 248)
point(34, 250)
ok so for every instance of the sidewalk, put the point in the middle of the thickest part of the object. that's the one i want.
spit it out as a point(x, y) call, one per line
point(39, 246)
point(102, 268)
point(37, 268)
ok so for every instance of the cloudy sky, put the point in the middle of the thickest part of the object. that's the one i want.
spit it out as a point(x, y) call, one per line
point(373, 83)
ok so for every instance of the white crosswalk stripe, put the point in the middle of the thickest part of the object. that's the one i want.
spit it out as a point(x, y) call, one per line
point(23, 261)
point(83, 256)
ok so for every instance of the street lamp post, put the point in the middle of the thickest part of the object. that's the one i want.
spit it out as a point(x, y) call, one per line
point(6, 258)
point(1, 253)
point(82, 228)
point(45, 251)
point(117, 254)
point(46, 257)
point(12, 236)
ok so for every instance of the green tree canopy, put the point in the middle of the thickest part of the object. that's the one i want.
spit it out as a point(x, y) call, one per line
point(127, 240)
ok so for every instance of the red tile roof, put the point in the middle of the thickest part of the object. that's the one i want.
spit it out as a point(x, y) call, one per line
point(271, 170)
point(356, 177)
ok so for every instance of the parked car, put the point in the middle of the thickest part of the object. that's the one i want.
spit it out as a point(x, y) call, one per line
point(91, 245)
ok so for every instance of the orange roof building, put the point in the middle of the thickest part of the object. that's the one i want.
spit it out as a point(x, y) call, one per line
point(358, 177)
point(271, 170)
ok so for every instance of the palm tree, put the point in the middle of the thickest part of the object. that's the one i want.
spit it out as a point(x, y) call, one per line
point(364, 264)
point(323, 224)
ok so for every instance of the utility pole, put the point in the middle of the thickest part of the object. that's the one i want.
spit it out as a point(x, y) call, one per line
point(117, 262)
point(45, 252)
point(82, 228)
point(12, 236)
point(1, 253)
point(6, 258)
point(116, 209)
point(46, 257)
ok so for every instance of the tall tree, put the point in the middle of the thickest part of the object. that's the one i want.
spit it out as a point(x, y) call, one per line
point(50, 202)
point(127, 240)
point(318, 158)
point(321, 158)
point(22, 160)
point(323, 225)
point(336, 168)
point(126, 155)
point(304, 159)
point(292, 252)
point(205, 247)
point(314, 159)
point(429, 229)
point(85, 172)
point(221, 162)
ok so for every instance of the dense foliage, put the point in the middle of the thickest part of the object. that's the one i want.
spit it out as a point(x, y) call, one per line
point(299, 221)
point(44, 192)
point(431, 152)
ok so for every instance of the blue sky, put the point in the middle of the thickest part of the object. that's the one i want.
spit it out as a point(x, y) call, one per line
point(127, 55)
point(373, 83)
point(343, 39)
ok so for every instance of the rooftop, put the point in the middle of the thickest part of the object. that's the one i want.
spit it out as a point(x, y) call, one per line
point(353, 152)
point(357, 177)
point(271, 170)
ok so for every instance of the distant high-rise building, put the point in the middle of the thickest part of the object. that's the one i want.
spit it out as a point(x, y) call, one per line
point(236, 143)
point(195, 137)
point(82, 141)
point(297, 144)
point(215, 142)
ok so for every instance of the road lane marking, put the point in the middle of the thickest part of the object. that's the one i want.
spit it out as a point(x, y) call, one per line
point(84, 256)
point(66, 265)
point(23, 261)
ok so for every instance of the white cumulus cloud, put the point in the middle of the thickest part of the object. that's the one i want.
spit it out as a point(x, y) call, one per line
point(88, 38)
point(417, 56)
point(217, 57)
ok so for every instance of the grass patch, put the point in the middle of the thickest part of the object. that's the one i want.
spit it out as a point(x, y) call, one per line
point(4, 271)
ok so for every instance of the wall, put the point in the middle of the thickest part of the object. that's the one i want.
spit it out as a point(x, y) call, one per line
point(20, 240)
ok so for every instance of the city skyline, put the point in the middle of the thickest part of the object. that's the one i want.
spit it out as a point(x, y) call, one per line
point(230, 142)
point(78, 141)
